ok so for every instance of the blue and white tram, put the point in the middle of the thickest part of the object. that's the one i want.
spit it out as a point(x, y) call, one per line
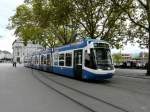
point(87, 59)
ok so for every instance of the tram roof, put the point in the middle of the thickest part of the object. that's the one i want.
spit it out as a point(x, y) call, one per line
point(71, 46)
point(76, 45)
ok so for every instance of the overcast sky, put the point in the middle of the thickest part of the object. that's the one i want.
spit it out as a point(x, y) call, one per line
point(7, 8)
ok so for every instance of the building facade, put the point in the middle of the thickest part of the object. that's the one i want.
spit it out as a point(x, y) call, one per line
point(143, 56)
point(5, 56)
point(126, 57)
point(22, 52)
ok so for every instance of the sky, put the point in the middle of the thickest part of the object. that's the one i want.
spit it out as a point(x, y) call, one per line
point(7, 8)
point(130, 49)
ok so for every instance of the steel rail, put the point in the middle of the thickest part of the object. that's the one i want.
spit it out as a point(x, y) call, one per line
point(61, 93)
point(85, 94)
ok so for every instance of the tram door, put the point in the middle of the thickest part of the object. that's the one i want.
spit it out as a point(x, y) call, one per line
point(78, 63)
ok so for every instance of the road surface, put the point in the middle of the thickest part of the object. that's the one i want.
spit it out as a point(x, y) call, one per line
point(26, 90)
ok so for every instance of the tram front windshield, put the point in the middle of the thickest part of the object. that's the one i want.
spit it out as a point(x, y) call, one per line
point(103, 58)
point(99, 58)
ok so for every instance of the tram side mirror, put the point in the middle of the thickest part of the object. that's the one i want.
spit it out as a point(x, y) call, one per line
point(88, 51)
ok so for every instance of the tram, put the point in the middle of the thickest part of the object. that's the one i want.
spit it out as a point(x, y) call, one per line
point(86, 59)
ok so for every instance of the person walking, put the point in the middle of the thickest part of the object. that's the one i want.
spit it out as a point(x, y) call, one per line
point(14, 63)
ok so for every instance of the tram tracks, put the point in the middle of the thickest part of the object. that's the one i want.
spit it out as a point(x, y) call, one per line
point(61, 93)
point(84, 94)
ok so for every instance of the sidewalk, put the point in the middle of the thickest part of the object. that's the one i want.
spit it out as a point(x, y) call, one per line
point(135, 73)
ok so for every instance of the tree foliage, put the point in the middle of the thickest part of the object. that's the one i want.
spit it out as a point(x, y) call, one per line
point(100, 19)
point(52, 22)
point(117, 58)
point(138, 14)
point(61, 21)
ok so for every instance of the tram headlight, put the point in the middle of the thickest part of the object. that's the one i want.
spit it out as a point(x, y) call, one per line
point(108, 68)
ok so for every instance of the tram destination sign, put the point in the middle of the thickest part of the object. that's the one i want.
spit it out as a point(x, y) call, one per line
point(101, 45)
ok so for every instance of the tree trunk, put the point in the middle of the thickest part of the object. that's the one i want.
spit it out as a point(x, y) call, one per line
point(148, 65)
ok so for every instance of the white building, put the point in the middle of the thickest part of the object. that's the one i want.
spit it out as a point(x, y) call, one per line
point(22, 52)
point(2, 55)
point(5, 55)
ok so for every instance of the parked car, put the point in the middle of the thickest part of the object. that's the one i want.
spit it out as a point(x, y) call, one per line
point(133, 64)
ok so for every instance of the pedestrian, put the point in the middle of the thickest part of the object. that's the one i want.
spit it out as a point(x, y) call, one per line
point(14, 63)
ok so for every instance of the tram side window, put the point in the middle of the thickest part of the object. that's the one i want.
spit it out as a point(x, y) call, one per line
point(56, 59)
point(89, 60)
point(48, 59)
point(45, 60)
point(39, 59)
point(36, 60)
point(42, 59)
point(68, 59)
point(61, 59)
point(33, 60)
point(79, 58)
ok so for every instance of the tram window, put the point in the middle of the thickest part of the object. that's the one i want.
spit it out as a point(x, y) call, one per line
point(35, 60)
point(39, 59)
point(61, 59)
point(89, 59)
point(61, 63)
point(56, 59)
point(31, 60)
point(68, 59)
point(44, 59)
point(48, 59)
point(61, 56)
point(79, 58)
point(56, 63)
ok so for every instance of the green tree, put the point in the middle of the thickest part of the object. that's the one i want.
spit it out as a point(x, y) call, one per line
point(100, 18)
point(56, 18)
point(66, 26)
point(138, 12)
point(28, 27)
point(117, 58)
point(51, 22)
point(63, 20)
